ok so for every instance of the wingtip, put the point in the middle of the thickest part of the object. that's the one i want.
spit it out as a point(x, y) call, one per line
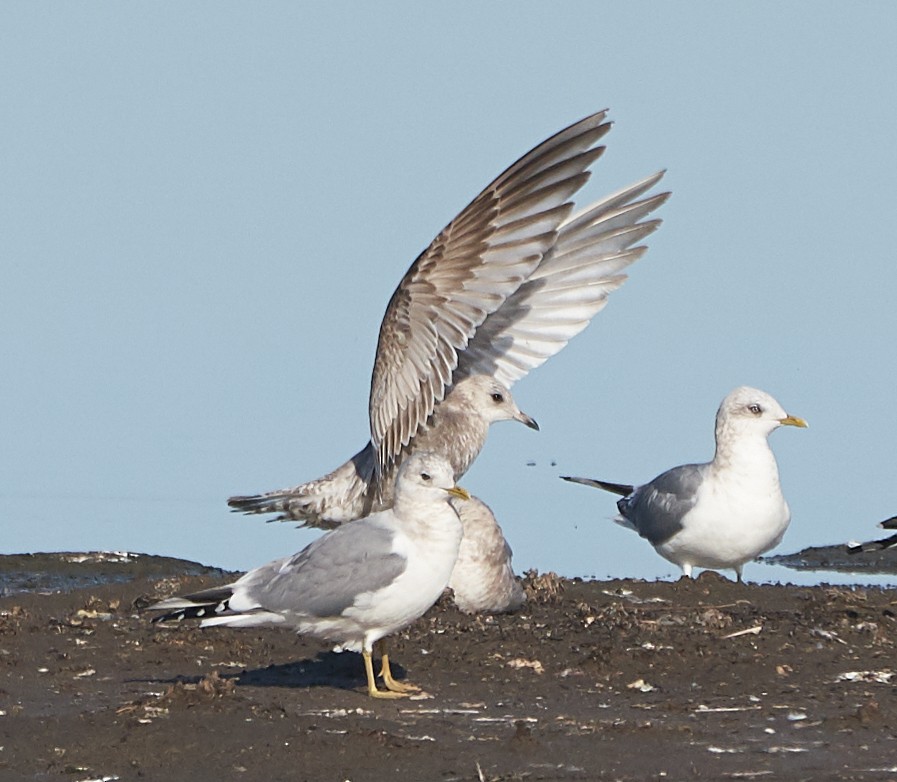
point(621, 489)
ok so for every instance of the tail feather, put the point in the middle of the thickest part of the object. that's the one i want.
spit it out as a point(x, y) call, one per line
point(200, 605)
point(876, 545)
point(623, 489)
point(342, 495)
point(270, 502)
point(873, 545)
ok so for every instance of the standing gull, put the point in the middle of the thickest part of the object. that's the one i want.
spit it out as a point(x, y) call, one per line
point(876, 545)
point(723, 513)
point(504, 286)
point(356, 584)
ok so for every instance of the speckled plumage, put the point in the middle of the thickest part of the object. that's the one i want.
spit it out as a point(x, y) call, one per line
point(501, 289)
point(456, 431)
point(483, 580)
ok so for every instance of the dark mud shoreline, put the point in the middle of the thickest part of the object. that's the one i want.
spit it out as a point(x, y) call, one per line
point(63, 571)
point(622, 680)
point(836, 559)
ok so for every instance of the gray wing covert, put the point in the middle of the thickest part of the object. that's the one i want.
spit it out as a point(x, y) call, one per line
point(657, 508)
point(325, 577)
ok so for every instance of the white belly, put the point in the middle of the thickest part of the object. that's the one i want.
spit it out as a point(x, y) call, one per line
point(729, 526)
point(430, 563)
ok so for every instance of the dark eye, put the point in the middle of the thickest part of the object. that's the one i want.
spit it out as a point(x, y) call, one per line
point(755, 409)
point(497, 398)
point(425, 476)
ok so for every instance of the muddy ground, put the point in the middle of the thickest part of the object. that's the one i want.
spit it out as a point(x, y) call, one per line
point(619, 680)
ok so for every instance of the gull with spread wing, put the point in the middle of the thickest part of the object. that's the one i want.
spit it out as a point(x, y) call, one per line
point(504, 286)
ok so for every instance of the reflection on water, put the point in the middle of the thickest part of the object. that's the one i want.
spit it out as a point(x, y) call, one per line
point(772, 573)
point(810, 567)
point(66, 571)
point(834, 565)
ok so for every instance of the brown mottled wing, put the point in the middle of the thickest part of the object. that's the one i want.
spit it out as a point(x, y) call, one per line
point(569, 287)
point(468, 271)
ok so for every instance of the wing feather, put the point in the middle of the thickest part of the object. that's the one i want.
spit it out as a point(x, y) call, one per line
point(468, 272)
point(570, 285)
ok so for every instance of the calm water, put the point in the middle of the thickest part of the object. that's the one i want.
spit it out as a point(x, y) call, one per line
point(66, 571)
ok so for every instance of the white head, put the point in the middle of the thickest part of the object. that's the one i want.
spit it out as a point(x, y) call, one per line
point(747, 411)
point(491, 400)
point(427, 473)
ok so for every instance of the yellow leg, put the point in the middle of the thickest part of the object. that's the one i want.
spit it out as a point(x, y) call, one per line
point(391, 684)
point(372, 685)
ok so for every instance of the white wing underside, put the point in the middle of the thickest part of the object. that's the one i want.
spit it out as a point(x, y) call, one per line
point(466, 274)
point(568, 288)
point(502, 288)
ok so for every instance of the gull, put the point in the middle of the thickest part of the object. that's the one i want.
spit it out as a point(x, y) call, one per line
point(503, 287)
point(356, 584)
point(723, 513)
point(877, 545)
point(483, 579)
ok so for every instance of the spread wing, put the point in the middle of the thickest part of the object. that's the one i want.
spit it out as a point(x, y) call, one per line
point(468, 272)
point(568, 288)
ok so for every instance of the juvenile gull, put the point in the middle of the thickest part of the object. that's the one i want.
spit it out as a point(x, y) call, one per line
point(723, 513)
point(876, 545)
point(501, 289)
point(483, 580)
point(356, 584)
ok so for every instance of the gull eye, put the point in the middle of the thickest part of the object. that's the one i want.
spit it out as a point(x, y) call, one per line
point(425, 476)
point(755, 409)
point(497, 398)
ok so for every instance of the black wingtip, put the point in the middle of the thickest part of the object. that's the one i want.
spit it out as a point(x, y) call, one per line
point(623, 489)
point(873, 545)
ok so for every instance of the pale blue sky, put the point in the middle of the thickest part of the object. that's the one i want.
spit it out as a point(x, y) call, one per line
point(205, 208)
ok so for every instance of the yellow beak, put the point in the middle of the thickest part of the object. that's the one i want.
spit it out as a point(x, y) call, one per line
point(457, 491)
point(792, 421)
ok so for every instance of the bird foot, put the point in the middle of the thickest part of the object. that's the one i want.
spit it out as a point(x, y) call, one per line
point(386, 674)
point(394, 689)
point(386, 694)
point(403, 687)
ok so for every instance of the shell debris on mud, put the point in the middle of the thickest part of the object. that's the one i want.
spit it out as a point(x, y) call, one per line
point(614, 679)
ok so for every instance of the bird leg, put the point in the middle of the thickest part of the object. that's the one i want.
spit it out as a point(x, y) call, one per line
point(391, 684)
point(372, 684)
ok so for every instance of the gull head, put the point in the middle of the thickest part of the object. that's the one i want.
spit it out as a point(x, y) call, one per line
point(489, 399)
point(427, 473)
point(752, 411)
